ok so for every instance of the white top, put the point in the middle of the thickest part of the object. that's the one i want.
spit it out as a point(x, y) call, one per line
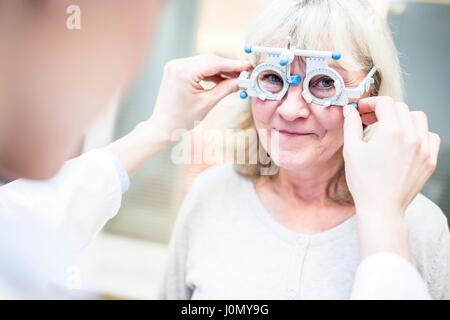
point(386, 275)
point(45, 224)
point(226, 245)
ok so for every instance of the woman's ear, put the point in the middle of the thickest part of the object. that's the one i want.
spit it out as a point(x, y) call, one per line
point(375, 88)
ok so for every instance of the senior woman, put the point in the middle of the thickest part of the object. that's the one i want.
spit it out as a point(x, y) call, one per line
point(294, 235)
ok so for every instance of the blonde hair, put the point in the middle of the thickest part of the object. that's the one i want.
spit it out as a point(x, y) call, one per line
point(352, 27)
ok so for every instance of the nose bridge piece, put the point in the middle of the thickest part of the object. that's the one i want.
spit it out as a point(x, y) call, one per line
point(294, 80)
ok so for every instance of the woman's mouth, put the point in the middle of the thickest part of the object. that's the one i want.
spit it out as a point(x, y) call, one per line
point(293, 134)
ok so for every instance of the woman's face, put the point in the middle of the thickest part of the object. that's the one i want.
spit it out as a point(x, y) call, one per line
point(308, 134)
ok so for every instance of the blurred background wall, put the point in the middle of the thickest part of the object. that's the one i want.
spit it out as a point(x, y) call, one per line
point(132, 249)
point(422, 34)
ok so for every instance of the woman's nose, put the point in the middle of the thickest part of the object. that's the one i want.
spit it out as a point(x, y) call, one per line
point(293, 106)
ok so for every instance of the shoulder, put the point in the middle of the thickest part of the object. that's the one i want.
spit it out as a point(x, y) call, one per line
point(425, 218)
point(430, 244)
point(213, 191)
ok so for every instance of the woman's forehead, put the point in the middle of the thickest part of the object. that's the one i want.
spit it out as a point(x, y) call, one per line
point(300, 63)
point(349, 76)
point(348, 62)
point(348, 66)
point(298, 66)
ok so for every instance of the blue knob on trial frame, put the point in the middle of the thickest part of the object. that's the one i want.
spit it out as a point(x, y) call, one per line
point(284, 62)
point(243, 95)
point(248, 49)
point(295, 80)
point(336, 55)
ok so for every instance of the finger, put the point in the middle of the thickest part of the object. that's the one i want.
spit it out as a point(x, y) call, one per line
point(222, 76)
point(223, 89)
point(353, 129)
point(405, 120)
point(229, 75)
point(212, 65)
point(420, 121)
point(215, 79)
point(384, 108)
point(369, 118)
point(434, 143)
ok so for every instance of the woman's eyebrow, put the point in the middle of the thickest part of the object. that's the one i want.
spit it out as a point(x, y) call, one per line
point(345, 74)
point(337, 67)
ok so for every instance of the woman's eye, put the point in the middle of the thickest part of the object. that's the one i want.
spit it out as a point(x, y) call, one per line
point(274, 79)
point(325, 83)
point(322, 87)
point(270, 82)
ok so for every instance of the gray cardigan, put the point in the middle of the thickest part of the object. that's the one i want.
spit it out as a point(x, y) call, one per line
point(227, 246)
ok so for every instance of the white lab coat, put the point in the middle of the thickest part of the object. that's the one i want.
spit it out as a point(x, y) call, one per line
point(45, 224)
point(386, 275)
point(87, 192)
point(77, 202)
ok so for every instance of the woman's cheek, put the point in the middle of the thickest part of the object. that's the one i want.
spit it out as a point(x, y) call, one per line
point(330, 118)
point(263, 111)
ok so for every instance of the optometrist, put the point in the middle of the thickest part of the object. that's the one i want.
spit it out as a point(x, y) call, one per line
point(50, 209)
point(48, 99)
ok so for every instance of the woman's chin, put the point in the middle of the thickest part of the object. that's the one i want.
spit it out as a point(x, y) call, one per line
point(294, 160)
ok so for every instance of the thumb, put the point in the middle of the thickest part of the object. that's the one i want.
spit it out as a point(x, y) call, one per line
point(223, 89)
point(353, 128)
